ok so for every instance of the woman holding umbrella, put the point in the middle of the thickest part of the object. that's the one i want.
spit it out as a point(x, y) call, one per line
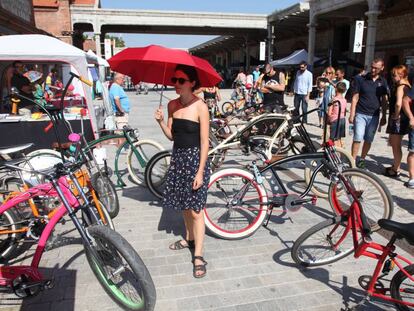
point(188, 176)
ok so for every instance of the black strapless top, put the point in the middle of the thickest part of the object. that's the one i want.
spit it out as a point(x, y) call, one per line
point(186, 133)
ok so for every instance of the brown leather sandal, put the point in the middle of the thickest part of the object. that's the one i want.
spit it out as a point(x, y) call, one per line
point(198, 268)
point(176, 246)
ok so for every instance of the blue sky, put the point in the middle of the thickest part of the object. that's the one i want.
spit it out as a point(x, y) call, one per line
point(187, 41)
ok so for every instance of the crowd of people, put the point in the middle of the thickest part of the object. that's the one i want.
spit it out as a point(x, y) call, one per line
point(364, 102)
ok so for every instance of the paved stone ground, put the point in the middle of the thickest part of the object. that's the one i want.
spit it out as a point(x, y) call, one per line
point(255, 273)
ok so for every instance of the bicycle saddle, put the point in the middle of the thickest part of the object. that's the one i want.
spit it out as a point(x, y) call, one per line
point(257, 142)
point(15, 148)
point(402, 230)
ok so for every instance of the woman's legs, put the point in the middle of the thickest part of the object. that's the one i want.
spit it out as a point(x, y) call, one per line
point(197, 227)
point(395, 142)
point(189, 233)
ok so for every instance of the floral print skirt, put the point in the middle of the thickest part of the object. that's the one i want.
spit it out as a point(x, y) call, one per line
point(179, 193)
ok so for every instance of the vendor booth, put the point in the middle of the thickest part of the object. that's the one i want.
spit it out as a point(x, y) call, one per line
point(293, 59)
point(42, 54)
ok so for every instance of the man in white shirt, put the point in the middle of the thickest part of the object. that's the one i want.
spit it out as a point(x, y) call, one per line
point(302, 89)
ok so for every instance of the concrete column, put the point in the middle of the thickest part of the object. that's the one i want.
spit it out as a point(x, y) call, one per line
point(97, 37)
point(269, 42)
point(247, 53)
point(311, 39)
point(371, 31)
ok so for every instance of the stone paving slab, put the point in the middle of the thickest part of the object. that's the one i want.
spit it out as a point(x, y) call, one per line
point(256, 273)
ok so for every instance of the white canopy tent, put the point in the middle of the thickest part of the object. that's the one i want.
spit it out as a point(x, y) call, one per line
point(99, 60)
point(293, 59)
point(41, 48)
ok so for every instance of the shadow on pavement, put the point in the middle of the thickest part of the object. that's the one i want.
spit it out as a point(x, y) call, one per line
point(351, 295)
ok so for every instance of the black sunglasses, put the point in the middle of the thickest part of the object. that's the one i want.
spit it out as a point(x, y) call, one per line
point(180, 80)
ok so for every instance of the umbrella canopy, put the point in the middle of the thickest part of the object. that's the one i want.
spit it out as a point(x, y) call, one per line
point(156, 64)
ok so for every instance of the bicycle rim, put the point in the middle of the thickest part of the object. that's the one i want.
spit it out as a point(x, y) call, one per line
point(374, 197)
point(402, 288)
point(236, 205)
point(327, 242)
point(157, 174)
point(109, 260)
point(136, 166)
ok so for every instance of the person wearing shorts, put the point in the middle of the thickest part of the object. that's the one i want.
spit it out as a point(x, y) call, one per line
point(370, 95)
point(337, 111)
point(408, 108)
point(120, 102)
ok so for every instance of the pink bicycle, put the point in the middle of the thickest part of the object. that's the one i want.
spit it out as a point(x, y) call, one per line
point(115, 263)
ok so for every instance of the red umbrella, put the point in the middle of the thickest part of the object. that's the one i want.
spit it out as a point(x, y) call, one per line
point(156, 64)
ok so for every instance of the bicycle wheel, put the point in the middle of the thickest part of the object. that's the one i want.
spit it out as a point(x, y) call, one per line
point(322, 180)
point(120, 270)
point(324, 243)
point(9, 225)
point(236, 204)
point(227, 108)
point(146, 149)
point(402, 288)
point(374, 196)
point(156, 172)
point(102, 214)
point(106, 192)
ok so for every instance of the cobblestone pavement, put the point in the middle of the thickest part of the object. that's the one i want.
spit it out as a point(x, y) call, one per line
point(255, 273)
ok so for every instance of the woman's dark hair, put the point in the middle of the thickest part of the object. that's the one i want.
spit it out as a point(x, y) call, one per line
point(191, 73)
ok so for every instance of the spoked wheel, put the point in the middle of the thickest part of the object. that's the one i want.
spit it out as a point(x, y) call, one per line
point(374, 196)
point(322, 180)
point(106, 192)
point(120, 270)
point(236, 205)
point(325, 243)
point(156, 173)
point(9, 235)
point(227, 108)
point(146, 149)
point(402, 288)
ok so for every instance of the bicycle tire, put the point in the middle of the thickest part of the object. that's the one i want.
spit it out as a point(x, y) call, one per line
point(89, 220)
point(8, 245)
point(156, 172)
point(395, 290)
point(296, 251)
point(113, 249)
point(227, 108)
point(106, 192)
point(383, 207)
point(136, 172)
point(318, 188)
point(215, 221)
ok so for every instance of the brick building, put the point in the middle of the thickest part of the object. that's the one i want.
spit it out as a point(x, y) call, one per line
point(54, 17)
point(16, 17)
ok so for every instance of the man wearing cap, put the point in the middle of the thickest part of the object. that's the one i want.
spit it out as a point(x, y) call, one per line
point(22, 84)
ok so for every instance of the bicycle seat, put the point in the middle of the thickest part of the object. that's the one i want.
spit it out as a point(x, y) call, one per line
point(16, 148)
point(402, 230)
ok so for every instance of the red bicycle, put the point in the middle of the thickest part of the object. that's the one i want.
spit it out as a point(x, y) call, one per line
point(337, 237)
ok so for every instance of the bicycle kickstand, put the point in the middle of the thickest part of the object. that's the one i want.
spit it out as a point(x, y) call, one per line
point(269, 215)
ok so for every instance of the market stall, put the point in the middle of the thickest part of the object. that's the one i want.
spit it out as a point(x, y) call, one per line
point(43, 53)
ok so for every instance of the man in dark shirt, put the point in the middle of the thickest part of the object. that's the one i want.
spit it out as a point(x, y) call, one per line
point(370, 96)
point(20, 82)
point(273, 88)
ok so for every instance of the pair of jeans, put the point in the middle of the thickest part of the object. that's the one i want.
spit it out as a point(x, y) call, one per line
point(299, 100)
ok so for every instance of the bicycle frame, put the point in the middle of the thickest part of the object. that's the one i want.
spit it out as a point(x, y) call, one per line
point(234, 139)
point(367, 249)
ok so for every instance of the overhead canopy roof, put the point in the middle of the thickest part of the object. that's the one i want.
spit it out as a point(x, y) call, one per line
point(293, 59)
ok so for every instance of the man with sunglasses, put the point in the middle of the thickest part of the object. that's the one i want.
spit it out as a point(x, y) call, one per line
point(302, 89)
point(370, 96)
point(273, 89)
